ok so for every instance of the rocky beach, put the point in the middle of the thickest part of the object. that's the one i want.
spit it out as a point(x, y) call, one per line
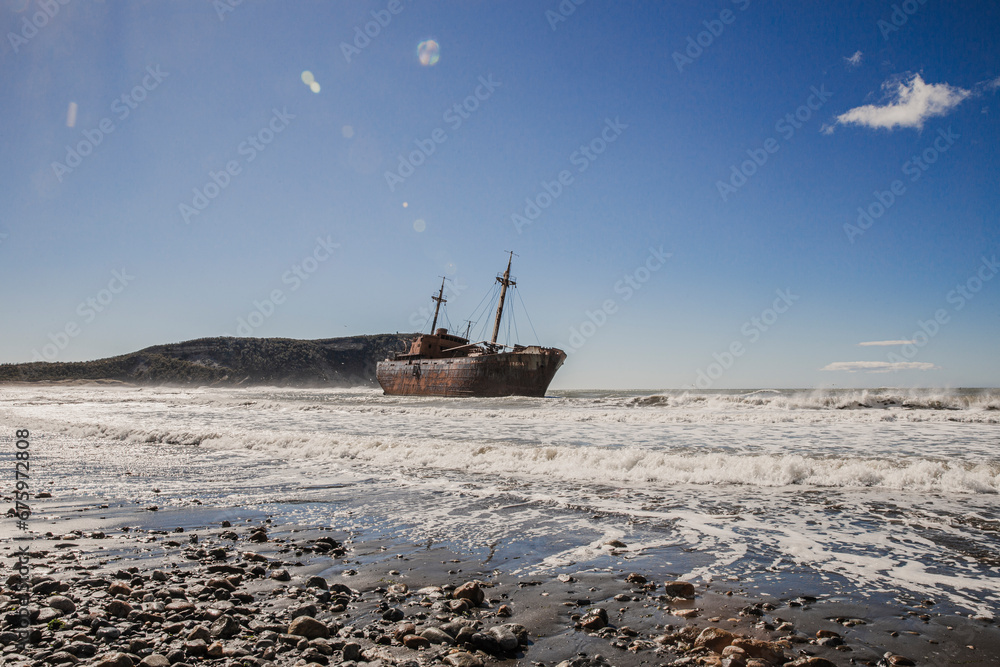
point(261, 593)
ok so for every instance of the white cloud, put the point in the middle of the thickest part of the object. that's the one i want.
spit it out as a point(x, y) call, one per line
point(854, 60)
point(994, 84)
point(886, 342)
point(909, 104)
point(826, 128)
point(878, 366)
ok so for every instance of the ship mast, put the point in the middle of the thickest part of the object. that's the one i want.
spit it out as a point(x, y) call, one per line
point(505, 281)
point(440, 299)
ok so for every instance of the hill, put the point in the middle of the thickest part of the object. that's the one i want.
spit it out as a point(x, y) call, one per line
point(331, 362)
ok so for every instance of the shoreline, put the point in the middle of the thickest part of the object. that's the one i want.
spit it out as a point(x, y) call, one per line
point(390, 583)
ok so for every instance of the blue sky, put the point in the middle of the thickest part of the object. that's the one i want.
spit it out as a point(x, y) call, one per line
point(713, 155)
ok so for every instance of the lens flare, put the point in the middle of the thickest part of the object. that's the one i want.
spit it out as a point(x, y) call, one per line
point(429, 52)
point(419, 225)
point(347, 131)
point(314, 87)
point(308, 78)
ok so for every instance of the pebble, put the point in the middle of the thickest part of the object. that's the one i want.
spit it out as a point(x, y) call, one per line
point(715, 639)
point(352, 651)
point(116, 659)
point(679, 589)
point(62, 603)
point(416, 642)
point(437, 636)
point(595, 619)
point(463, 659)
point(505, 637)
point(471, 592)
point(308, 627)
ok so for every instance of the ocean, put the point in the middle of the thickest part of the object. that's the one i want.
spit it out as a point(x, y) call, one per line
point(861, 495)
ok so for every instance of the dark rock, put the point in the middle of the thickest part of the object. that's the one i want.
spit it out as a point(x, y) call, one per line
point(117, 659)
point(470, 591)
point(416, 642)
point(308, 627)
point(196, 647)
point(352, 651)
point(317, 582)
point(459, 606)
point(302, 610)
point(341, 589)
point(679, 589)
point(225, 627)
point(436, 636)
point(62, 603)
point(83, 649)
point(139, 645)
point(595, 619)
point(221, 583)
point(313, 655)
point(463, 659)
point(119, 588)
point(505, 637)
point(392, 614)
point(46, 614)
point(118, 608)
point(486, 642)
point(155, 660)
point(45, 587)
point(179, 606)
point(767, 651)
point(61, 657)
point(519, 631)
point(404, 629)
point(714, 639)
point(281, 575)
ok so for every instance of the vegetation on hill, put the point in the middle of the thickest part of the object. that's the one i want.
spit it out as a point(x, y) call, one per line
point(332, 362)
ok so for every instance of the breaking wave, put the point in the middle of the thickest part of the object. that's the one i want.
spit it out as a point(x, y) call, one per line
point(625, 466)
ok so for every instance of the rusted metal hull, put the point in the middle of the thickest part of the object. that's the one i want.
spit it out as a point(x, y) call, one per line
point(521, 373)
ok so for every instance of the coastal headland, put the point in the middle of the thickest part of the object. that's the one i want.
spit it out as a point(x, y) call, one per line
point(330, 362)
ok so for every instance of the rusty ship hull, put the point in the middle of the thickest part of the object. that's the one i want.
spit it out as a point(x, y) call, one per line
point(524, 372)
